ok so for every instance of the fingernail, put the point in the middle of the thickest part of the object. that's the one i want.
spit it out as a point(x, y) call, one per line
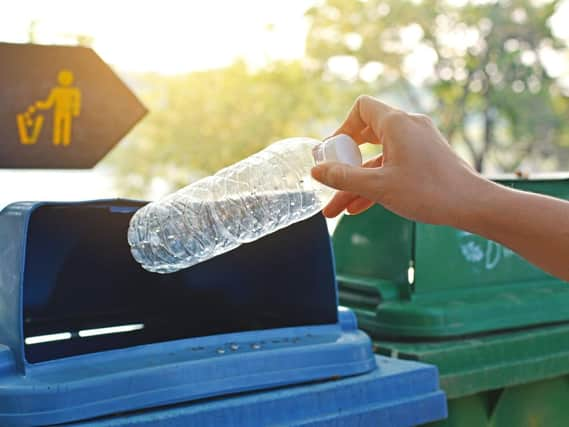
point(317, 172)
point(327, 213)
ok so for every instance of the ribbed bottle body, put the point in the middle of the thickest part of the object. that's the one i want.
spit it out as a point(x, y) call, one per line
point(241, 203)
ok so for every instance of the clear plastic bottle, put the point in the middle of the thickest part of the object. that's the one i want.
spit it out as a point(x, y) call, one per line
point(241, 203)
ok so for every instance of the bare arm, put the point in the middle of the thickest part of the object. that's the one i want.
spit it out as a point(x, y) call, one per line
point(421, 178)
point(533, 225)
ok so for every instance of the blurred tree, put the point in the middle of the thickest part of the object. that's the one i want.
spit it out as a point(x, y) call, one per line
point(487, 67)
point(84, 40)
point(204, 121)
point(32, 31)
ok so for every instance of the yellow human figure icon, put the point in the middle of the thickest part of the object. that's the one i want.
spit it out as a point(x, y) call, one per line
point(66, 103)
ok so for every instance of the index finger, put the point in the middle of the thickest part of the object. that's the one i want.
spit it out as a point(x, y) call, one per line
point(367, 112)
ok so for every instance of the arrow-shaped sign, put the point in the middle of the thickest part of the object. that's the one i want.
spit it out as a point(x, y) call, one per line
point(60, 107)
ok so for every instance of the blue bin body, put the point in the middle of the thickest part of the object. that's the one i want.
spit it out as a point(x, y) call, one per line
point(86, 333)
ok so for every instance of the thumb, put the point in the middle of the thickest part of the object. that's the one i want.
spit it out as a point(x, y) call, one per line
point(358, 180)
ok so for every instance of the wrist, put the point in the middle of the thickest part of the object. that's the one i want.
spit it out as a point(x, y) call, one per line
point(479, 205)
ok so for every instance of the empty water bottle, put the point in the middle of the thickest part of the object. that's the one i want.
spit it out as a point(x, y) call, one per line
point(241, 203)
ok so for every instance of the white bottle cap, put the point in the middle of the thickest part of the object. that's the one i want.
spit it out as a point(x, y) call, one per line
point(340, 148)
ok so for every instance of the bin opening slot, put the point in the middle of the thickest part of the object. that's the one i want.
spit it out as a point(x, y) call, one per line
point(83, 292)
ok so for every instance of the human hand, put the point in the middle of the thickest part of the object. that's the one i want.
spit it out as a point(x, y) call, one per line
point(418, 176)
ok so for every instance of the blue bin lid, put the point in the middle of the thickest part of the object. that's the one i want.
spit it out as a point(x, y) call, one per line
point(263, 315)
point(399, 393)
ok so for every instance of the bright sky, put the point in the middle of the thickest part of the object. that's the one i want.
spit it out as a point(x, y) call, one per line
point(167, 36)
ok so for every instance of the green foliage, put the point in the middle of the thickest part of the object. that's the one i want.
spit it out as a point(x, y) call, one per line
point(204, 121)
point(484, 79)
point(484, 60)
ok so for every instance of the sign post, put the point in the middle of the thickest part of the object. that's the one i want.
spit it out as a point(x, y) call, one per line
point(61, 107)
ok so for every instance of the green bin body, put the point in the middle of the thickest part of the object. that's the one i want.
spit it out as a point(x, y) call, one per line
point(496, 326)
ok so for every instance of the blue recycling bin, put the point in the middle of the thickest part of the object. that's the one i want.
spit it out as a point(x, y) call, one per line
point(252, 337)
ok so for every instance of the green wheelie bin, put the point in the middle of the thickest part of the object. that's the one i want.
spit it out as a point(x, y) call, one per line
point(496, 326)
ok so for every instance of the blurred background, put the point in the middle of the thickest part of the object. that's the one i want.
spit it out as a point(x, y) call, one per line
point(222, 79)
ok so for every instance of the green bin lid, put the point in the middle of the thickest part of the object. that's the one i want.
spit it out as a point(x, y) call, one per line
point(408, 279)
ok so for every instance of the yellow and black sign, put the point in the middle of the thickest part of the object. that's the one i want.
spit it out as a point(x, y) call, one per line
point(60, 107)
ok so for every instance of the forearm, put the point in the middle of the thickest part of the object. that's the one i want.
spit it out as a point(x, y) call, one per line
point(533, 225)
